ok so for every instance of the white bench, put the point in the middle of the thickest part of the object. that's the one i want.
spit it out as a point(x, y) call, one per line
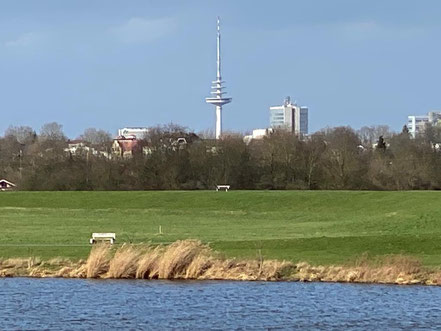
point(223, 187)
point(110, 236)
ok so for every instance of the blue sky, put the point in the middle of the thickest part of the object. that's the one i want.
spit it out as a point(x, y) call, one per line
point(108, 64)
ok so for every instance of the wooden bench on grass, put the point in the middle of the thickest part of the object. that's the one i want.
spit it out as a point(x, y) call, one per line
point(222, 187)
point(109, 236)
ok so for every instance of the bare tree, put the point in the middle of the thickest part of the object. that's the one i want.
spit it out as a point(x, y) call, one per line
point(52, 131)
point(369, 134)
point(23, 134)
point(315, 147)
point(207, 134)
point(96, 137)
point(343, 158)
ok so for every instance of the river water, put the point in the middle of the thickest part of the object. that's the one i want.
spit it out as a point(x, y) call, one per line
point(71, 304)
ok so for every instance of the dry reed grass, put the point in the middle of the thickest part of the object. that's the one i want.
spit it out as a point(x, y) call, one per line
point(78, 272)
point(178, 257)
point(16, 263)
point(148, 264)
point(124, 263)
point(233, 270)
point(275, 270)
point(184, 259)
point(392, 269)
point(190, 259)
point(98, 262)
point(200, 264)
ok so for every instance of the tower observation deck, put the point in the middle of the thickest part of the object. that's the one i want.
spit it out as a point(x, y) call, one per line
point(218, 99)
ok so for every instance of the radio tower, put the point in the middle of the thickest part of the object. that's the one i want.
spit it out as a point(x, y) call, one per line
point(218, 99)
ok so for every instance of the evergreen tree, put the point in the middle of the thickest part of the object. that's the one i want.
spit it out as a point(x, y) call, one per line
point(381, 144)
point(405, 129)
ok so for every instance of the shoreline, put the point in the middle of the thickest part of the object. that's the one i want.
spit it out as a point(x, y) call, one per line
point(192, 260)
point(48, 273)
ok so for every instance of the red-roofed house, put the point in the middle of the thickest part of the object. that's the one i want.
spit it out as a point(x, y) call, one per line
point(125, 146)
point(6, 185)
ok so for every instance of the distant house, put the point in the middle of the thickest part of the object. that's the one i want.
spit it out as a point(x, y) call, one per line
point(174, 141)
point(125, 146)
point(6, 185)
point(76, 147)
point(258, 134)
point(79, 147)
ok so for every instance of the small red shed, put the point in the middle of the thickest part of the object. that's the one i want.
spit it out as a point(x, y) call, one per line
point(6, 185)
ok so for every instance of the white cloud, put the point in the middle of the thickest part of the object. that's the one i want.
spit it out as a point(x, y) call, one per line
point(139, 30)
point(23, 40)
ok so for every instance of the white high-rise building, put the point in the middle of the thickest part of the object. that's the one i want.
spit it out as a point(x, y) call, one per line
point(417, 123)
point(218, 100)
point(138, 132)
point(290, 117)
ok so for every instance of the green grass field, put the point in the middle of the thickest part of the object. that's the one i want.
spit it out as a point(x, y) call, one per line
point(321, 227)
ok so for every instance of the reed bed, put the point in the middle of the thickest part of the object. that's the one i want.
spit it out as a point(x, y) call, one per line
point(98, 262)
point(124, 263)
point(394, 269)
point(184, 259)
point(191, 259)
point(148, 264)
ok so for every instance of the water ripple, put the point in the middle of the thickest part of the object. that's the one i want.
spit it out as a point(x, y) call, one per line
point(73, 304)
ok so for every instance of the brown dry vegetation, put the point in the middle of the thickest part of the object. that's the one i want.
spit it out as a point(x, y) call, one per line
point(394, 269)
point(177, 258)
point(98, 262)
point(190, 259)
point(124, 263)
point(148, 265)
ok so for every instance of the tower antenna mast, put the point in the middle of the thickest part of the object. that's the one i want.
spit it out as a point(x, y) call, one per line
point(218, 99)
point(218, 62)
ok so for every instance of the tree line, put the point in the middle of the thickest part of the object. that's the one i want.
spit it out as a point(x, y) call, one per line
point(340, 158)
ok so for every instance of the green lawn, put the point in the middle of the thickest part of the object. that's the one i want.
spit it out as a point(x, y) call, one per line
point(321, 227)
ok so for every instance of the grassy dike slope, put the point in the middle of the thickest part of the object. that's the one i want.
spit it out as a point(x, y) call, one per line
point(320, 227)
